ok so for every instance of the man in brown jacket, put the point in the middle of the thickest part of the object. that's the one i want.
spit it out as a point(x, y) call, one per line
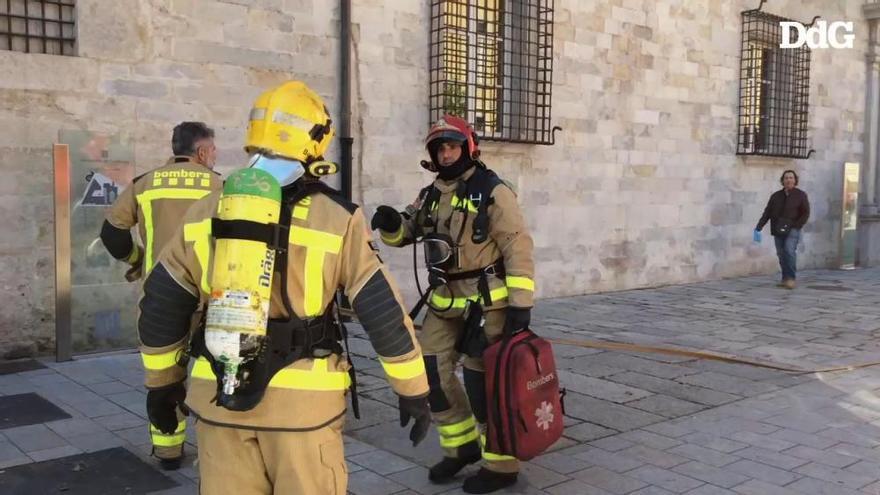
point(481, 284)
point(788, 211)
point(280, 430)
point(156, 203)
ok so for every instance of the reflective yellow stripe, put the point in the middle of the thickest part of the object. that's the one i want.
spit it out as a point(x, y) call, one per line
point(458, 441)
point(405, 370)
point(443, 302)
point(317, 239)
point(457, 428)
point(314, 282)
point(392, 239)
point(316, 379)
point(200, 235)
point(520, 283)
point(317, 244)
point(145, 201)
point(300, 212)
point(301, 209)
point(456, 202)
point(160, 439)
point(490, 456)
point(458, 434)
point(155, 362)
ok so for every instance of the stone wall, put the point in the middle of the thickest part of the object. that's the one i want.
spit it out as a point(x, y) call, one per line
point(643, 187)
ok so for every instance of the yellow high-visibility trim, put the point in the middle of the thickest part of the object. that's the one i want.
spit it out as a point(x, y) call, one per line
point(520, 283)
point(160, 440)
point(317, 244)
point(392, 239)
point(300, 212)
point(310, 238)
point(457, 428)
point(316, 379)
point(404, 370)
point(457, 202)
point(489, 456)
point(442, 302)
point(313, 278)
point(157, 362)
point(181, 426)
point(301, 209)
point(145, 201)
point(175, 439)
point(199, 233)
point(458, 441)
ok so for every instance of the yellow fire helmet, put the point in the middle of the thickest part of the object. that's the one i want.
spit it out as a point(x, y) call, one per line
point(290, 121)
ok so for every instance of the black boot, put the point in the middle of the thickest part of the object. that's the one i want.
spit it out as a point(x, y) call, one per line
point(446, 469)
point(486, 481)
point(170, 464)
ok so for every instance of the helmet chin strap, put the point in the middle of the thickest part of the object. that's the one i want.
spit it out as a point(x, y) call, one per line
point(285, 171)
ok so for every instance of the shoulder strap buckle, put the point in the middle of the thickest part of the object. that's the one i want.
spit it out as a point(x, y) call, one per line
point(476, 199)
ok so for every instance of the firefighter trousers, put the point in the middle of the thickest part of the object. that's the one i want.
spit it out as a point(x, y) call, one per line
point(235, 461)
point(169, 447)
point(460, 412)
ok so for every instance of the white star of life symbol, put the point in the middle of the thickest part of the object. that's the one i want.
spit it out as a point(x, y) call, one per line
point(544, 415)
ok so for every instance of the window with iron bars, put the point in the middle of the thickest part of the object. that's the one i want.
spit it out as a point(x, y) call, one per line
point(774, 90)
point(491, 62)
point(38, 26)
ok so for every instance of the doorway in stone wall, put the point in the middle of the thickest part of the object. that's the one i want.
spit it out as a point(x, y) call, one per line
point(95, 308)
point(849, 216)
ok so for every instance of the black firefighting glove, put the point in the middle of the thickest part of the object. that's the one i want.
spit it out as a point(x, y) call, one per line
point(517, 319)
point(416, 408)
point(386, 218)
point(162, 404)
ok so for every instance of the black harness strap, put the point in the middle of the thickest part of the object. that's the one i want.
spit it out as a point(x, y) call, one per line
point(273, 234)
point(478, 191)
point(289, 339)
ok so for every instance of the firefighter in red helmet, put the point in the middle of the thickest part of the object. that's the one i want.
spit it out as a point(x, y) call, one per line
point(481, 283)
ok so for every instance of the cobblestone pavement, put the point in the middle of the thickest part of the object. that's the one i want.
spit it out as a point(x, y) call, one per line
point(636, 423)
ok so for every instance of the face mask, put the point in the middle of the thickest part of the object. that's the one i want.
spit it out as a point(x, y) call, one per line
point(285, 171)
point(450, 172)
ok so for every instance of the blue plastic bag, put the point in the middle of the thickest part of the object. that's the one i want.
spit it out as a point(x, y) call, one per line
point(756, 236)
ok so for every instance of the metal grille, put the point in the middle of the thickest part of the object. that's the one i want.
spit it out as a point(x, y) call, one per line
point(38, 26)
point(491, 62)
point(774, 90)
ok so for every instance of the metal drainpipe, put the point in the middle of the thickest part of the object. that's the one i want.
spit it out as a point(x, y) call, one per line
point(345, 138)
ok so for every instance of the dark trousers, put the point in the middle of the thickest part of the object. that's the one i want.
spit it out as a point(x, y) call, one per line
point(786, 250)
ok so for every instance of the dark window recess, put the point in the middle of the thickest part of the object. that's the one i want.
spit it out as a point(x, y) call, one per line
point(38, 26)
point(774, 90)
point(491, 62)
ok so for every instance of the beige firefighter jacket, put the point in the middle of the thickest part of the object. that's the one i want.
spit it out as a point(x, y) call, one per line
point(509, 240)
point(329, 248)
point(157, 201)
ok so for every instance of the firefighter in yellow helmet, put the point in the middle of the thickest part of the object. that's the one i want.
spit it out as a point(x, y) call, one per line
point(481, 284)
point(274, 425)
point(156, 202)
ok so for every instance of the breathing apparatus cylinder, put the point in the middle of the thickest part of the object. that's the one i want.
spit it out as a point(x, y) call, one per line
point(241, 276)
